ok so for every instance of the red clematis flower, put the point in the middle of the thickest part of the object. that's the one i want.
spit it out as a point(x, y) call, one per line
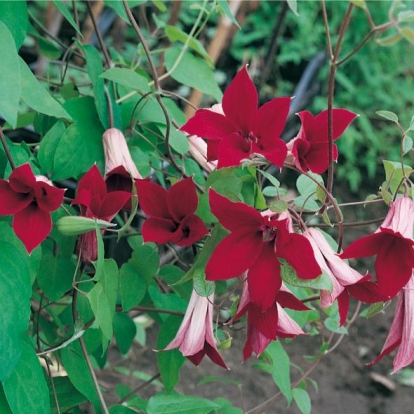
point(402, 330)
point(30, 199)
point(243, 129)
point(393, 244)
point(171, 213)
point(255, 245)
point(345, 280)
point(310, 147)
point(195, 338)
point(96, 202)
point(266, 326)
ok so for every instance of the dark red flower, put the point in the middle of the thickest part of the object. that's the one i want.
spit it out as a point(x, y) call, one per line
point(30, 199)
point(255, 245)
point(266, 326)
point(171, 213)
point(96, 202)
point(310, 147)
point(243, 129)
point(393, 244)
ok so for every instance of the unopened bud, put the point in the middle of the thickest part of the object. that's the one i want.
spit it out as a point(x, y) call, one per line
point(74, 225)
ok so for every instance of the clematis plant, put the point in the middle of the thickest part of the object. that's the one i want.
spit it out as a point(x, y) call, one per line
point(243, 129)
point(95, 201)
point(255, 244)
point(393, 245)
point(195, 337)
point(310, 147)
point(171, 213)
point(30, 199)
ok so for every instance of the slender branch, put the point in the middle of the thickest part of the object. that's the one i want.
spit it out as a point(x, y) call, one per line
point(6, 149)
point(139, 388)
point(98, 34)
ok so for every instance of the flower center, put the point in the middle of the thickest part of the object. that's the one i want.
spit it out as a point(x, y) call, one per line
point(269, 233)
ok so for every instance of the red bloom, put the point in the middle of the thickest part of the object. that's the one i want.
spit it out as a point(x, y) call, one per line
point(30, 199)
point(255, 244)
point(266, 326)
point(393, 244)
point(402, 330)
point(96, 202)
point(195, 338)
point(244, 129)
point(171, 213)
point(310, 147)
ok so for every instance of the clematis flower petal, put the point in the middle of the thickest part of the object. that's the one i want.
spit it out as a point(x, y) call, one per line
point(271, 119)
point(153, 199)
point(232, 150)
point(234, 215)
point(112, 203)
point(273, 150)
point(234, 255)
point(240, 101)
point(159, 230)
point(209, 125)
point(12, 201)
point(48, 198)
point(192, 229)
point(22, 179)
point(264, 278)
point(32, 225)
point(93, 180)
point(400, 219)
point(286, 326)
point(182, 199)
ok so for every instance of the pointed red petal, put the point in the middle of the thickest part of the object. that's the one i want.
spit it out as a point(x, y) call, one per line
point(304, 264)
point(22, 179)
point(209, 125)
point(288, 300)
point(232, 150)
point(271, 119)
point(32, 225)
point(112, 203)
point(234, 215)
point(214, 355)
point(264, 278)
point(12, 202)
point(234, 255)
point(317, 157)
point(308, 125)
point(343, 306)
point(152, 199)
point(93, 182)
point(160, 230)
point(192, 229)
point(275, 150)
point(48, 198)
point(182, 199)
point(240, 102)
point(341, 118)
point(364, 247)
point(212, 150)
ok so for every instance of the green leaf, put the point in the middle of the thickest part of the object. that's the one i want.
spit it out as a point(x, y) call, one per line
point(179, 404)
point(132, 287)
point(10, 83)
point(26, 389)
point(121, 409)
point(166, 301)
point(273, 180)
point(192, 71)
point(55, 275)
point(407, 144)
point(388, 115)
point(389, 40)
point(119, 8)
point(4, 405)
point(128, 78)
point(15, 293)
point(280, 369)
point(177, 139)
point(80, 146)
point(226, 407)
point(202, 286)
point(294, 7)
point(289, 276)
point(224, 6)
point(14, 15)
point(79, 374)
point(278, 206)
point(48, 146)
point(407, 33)
point(361, 4)
point(394, 174)
point(306, 186)
point(374, 309)
point(37, 97)
point(307, 203)
point(61, 6)
point(145, 261)
point(406, 16)
point(67, 395)
point(95, 70)
point(175, 34)
point(124, 331)
point(169, 362)
point(302, 400)
point(48, 48)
